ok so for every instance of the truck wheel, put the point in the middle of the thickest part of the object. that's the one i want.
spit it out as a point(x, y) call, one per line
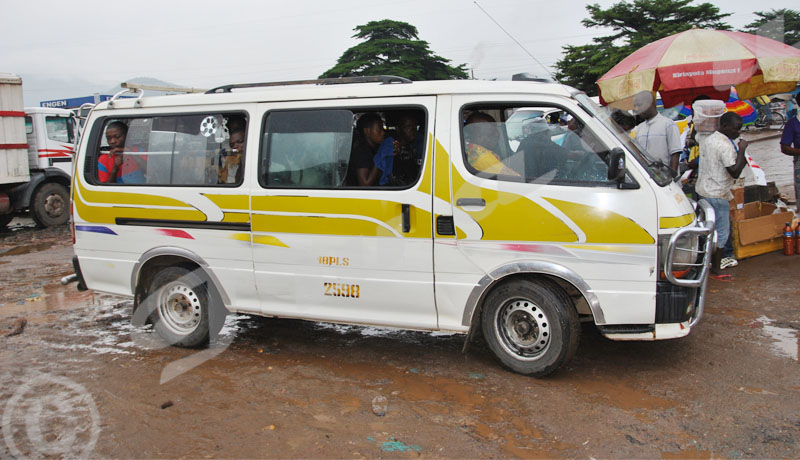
point(181, 308)
point(530, 326)
point(50, 205)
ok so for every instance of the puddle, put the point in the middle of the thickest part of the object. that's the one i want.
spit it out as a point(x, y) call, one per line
point(27, 249)
point(382, 332)
point(785, 343)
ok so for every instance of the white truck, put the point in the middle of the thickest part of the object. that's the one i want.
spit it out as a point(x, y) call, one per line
point(36, 152)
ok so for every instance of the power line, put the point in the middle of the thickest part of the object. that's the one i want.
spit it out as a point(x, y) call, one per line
point(515, 40)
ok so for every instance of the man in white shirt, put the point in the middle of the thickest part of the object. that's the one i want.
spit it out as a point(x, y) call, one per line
point(721, 162)
point(659, 135)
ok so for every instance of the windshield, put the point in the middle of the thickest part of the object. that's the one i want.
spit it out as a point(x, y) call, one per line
point(660, 172)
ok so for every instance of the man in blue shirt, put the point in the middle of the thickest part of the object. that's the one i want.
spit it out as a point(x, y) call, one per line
point(790, 145)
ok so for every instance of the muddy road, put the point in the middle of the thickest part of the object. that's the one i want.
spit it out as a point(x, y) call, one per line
point(79, 380)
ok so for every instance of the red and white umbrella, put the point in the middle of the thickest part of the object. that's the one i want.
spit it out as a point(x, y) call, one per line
point(704, 62)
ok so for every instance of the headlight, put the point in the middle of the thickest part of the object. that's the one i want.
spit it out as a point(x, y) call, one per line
point(685, 255)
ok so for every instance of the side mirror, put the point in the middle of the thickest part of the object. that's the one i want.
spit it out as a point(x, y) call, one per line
point(616, 165)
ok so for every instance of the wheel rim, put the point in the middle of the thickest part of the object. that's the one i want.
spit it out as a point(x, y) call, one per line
point(179, 308)
point(54, 205)
point(523, 329)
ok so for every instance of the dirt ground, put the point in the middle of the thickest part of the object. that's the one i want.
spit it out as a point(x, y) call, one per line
point(79, 380)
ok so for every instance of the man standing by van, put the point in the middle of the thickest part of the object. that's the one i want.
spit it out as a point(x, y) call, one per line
point(658, 134)
point(790, 145)
point(721, 162)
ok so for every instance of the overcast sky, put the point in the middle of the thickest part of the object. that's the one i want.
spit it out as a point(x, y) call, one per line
point(70, 49)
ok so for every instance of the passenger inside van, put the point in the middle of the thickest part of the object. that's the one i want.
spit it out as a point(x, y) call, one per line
point(369, 135)
point(399, 157)
point(231, 170)
point(113, 165)
point(481, 138)
point(226, 163)
point(542, 156)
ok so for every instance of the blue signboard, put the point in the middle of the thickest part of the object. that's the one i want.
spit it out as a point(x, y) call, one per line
point(75, 101)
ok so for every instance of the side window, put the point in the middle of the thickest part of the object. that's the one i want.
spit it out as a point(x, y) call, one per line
point(343, 148)
point(28, 125)
point(60, 129)
point(542, 144)
point(308, 149)
point(192, 150)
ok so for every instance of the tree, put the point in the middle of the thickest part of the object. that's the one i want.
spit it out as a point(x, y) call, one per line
point(635, 24)
point(770, 24)
point(392, 48)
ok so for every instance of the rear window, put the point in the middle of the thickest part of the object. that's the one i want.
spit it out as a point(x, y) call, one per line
point(191, 150)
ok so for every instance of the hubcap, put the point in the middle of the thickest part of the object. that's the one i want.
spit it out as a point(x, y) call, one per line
point(179, 308)
point(54, 205)
point(523, 328)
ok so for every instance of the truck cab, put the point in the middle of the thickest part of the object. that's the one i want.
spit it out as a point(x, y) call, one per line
point(51, 137)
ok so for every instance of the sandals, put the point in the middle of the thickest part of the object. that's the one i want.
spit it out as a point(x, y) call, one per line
point(722, 277)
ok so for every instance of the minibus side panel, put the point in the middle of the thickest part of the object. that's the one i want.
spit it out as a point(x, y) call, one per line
point(342, 254)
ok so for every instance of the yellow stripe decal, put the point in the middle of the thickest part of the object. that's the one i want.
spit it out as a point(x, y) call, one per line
point(318, 225)
point(268, 240)
point(240, 237)
point(109, 214)
point(336, 216)
point(118, 197)
point(241, 217)
point(676, 222)
point(238, 202)
point(603, 226)
point(425, 183)
point(511, 217)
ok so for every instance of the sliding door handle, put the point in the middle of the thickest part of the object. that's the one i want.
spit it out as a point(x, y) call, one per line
point(463, 202)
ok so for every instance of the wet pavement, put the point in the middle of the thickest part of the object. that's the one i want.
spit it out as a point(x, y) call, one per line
point(80, 380)
point(766, 151)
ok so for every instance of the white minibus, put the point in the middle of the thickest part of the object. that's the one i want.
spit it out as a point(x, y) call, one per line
point(458, 206)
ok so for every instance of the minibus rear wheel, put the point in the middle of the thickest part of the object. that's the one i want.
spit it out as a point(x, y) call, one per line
point(179, 303)
point(531, 326)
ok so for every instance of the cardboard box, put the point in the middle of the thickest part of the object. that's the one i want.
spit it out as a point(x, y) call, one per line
point(760, 231)
point(737, 204)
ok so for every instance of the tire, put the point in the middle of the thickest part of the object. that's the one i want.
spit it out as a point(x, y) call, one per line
point(50, 205)
point(531, 327)
point(181, 308)
point(778, 119)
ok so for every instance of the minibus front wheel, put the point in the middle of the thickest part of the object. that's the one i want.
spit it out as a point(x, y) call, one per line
point(179, 304)
point(531, 326)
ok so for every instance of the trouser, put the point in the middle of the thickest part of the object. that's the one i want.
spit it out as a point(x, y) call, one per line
point(722, 219)
point(797, 182)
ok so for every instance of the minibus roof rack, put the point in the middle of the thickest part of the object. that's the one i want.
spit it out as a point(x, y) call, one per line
point(384, 79)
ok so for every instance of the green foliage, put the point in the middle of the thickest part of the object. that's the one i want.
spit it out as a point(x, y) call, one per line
point(768, 24)
point(634, 25)
point(393, 48)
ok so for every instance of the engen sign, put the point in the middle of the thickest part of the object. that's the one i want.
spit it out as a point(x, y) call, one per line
point(75, 102)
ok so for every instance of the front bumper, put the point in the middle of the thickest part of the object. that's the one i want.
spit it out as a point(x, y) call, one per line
point(682, 299)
